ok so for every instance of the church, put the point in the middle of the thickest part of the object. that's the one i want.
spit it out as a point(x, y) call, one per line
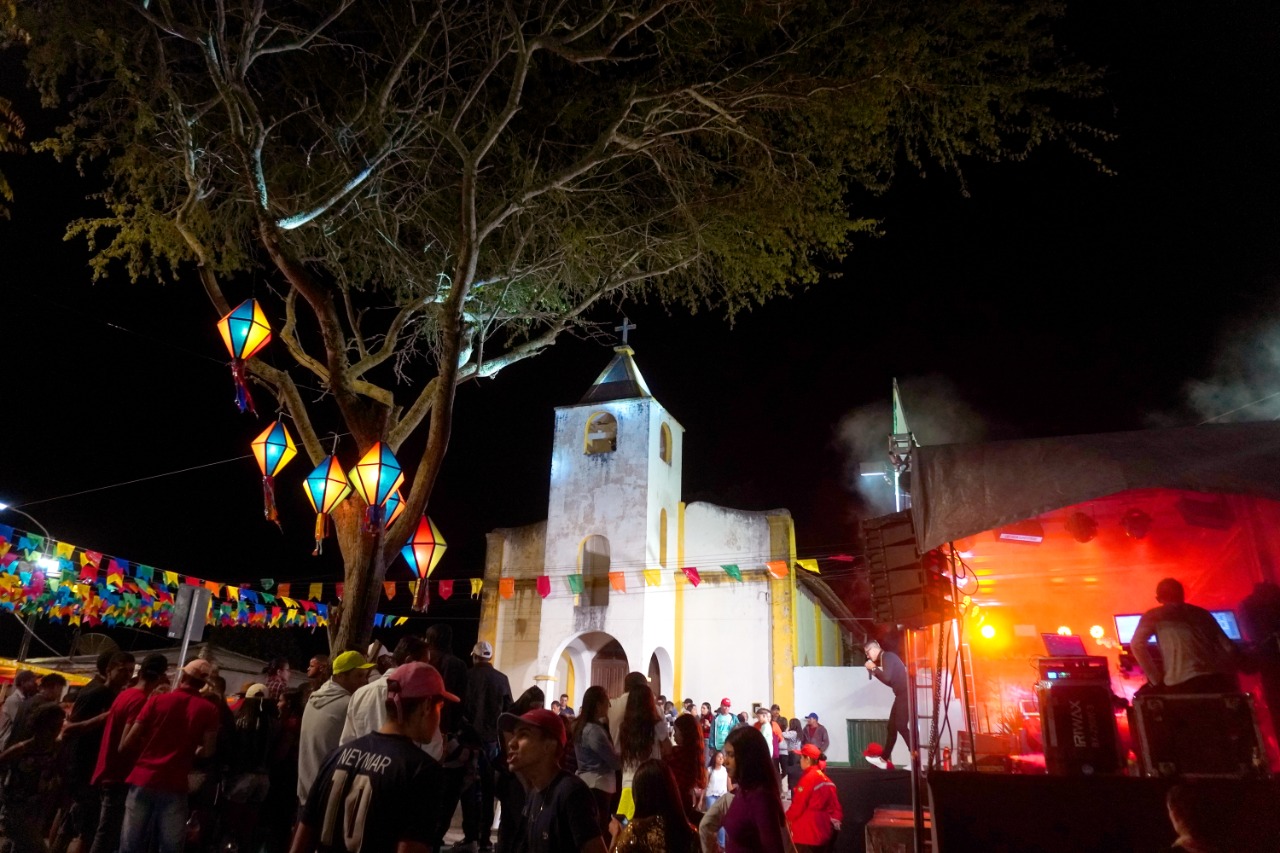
point(624, 576)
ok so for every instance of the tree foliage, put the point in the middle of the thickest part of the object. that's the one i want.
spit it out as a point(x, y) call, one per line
point(441, 189)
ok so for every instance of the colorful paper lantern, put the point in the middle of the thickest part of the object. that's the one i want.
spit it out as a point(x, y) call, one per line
point(326, 487)
point(374, 478)
point(422, 553)
point(273, 449)
point(245, 331)
point(394, 509)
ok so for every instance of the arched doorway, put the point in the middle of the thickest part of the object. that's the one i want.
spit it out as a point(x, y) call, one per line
point(597, 658)
point(609, 668)
point(655, 676)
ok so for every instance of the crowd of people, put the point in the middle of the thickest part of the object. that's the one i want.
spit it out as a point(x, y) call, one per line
point(379, 752)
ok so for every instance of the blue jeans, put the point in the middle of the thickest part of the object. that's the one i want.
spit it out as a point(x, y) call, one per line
point(152, 814)
point(708, 801)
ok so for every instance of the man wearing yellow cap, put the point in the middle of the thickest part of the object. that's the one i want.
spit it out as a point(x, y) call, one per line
point(324, 715)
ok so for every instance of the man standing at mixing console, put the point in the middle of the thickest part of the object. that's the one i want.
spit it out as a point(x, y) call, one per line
point(1196, 656)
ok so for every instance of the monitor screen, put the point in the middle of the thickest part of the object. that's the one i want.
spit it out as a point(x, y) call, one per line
point(1126, 624)
point(1058, 645)
point(1227, 620)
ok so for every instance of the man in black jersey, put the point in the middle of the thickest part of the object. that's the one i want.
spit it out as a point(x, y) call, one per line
point(379, 793)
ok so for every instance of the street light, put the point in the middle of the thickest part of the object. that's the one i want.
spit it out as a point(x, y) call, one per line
point(51, 567)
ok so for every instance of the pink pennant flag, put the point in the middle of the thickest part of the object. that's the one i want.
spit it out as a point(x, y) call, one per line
point(691, 573)
point(544, 585)
point(446, 590)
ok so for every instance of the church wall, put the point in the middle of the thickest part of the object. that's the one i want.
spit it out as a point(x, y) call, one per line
point(727, 643)
point(512, 624)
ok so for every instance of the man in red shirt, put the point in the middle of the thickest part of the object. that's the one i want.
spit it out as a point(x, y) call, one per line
point(173, 728)
point(113, 765)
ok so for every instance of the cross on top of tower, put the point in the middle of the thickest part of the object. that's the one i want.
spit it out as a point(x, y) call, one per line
point(624, 328)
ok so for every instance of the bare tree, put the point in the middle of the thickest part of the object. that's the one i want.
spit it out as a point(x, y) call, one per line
point(441, 189)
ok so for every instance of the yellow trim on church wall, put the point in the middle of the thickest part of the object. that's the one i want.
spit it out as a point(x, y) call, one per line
point(782, 607)
point(817, 631)
point(570, 677)
point(677, 688)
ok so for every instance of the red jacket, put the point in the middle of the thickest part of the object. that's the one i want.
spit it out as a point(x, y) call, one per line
point(814, 805)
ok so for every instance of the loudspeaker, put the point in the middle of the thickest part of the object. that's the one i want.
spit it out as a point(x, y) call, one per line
point(1078, 726)
point(904, 590)
point(1211, 735)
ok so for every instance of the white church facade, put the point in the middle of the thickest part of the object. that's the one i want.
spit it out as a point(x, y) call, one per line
point(602, 587)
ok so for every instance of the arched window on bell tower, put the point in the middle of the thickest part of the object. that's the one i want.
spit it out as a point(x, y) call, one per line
point(664, 444)
point(593, 562)
point(601, 434)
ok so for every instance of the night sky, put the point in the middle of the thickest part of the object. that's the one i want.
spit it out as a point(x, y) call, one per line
point(1052, 300)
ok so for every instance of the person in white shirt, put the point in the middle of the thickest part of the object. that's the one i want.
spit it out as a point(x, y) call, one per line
point(367, 710)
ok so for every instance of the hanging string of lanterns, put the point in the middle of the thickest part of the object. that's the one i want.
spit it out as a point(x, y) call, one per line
point(376, 478)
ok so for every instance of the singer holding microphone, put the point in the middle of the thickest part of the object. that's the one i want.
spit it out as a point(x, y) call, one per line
point(888, 669)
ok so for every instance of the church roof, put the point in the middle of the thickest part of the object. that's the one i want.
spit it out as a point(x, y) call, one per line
point(620, 380)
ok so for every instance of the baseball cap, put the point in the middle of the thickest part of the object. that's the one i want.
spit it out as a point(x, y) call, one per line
point(811, 716)
point(725, 703)
point(540, 718)
point(199, 669)
point(418, 680)
point(811, 751)
point(483, 650)
point(255, 690)
point(348, 661)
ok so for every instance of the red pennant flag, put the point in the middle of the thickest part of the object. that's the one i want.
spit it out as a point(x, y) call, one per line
point(446, 589)
point(282, 590)
point(691, 573)
point(88, 573)
point(844, 558)
point(93, 558)
point(389, 587)
point(193, 581)
point(544, 585)
point(339, 587)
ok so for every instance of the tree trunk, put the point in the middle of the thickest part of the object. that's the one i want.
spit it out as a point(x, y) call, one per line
point(364, 567)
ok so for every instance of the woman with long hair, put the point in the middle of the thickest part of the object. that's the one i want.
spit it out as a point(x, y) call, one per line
point(598, 761)
point(815, 813)
point(643, 735)
point(755, 822)
point(687, 766)
point(794, 738)
point(659, 825)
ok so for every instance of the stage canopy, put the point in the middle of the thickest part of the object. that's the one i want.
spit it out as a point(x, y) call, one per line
point(959, 490)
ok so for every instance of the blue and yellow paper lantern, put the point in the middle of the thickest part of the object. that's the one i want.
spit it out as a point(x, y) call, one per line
point(245, 331)
point(394, 509)
point(422, 553)
point(273, 450)
point(374, 478)
point(326, 487)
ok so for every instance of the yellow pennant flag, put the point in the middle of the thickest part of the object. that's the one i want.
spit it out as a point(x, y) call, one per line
point(170, 578)
point(401, 620)
point(317, 590)
point(653, 577)
point(808, 565)
point(288, 602)
point(65, 550)
point(477, 584)
point(233, 592)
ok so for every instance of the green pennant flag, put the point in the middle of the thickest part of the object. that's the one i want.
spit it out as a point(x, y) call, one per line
point(267, 583)
point(145, 573)
point(268, 598)
point(575, 584)
point(733, 572)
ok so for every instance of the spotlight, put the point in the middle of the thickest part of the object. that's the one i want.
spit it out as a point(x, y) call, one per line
point(1082, 527)
point(988, 631)
point(1064, 631)
point(1096, 632)
point(1136, 523)
point(51, 566)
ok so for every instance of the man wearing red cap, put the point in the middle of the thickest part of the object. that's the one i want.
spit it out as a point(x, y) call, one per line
point(722, 724)
point(379, 792)
point(559, 814)
point(815, 813)
point(173, 729)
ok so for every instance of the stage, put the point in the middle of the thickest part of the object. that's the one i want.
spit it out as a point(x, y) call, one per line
point(994, 812)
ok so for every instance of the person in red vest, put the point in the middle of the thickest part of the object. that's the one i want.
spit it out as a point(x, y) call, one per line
point(815, 814)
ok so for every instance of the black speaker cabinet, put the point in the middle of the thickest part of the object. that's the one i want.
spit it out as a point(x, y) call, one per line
point(1079, 728)
point(1211, 735)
